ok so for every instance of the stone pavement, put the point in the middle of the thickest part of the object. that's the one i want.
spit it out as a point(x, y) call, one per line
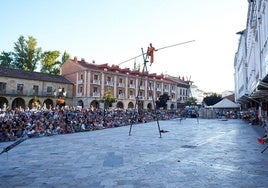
point(208, 153)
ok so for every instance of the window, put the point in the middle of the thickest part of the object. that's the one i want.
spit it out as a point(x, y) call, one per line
point(35, 90)
point(2, 87)
point(49, 90)
point(19, 88)
point(151, 85)
point(95, 90)
point(96, 77)
point(81, 77)
point(80, 89)
point(120, 80)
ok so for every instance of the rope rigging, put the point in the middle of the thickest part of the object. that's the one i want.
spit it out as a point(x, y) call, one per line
point(181, 43)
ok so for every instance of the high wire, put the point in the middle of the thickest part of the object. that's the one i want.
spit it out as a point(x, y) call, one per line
point(157, 50)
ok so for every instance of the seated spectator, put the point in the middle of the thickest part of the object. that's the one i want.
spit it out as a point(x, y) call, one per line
point(17, 123)
point(11, 135)
point(2, 136)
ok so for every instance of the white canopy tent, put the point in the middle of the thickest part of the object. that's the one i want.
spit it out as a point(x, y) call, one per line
point(225, 104)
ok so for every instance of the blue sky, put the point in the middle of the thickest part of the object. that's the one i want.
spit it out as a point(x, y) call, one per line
point(112, 31)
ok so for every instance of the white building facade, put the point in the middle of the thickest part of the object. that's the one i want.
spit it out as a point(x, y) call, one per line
point(251, 60)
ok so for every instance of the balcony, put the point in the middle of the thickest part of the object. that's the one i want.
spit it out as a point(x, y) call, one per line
point(158, 89)
point(121, 96)
point(109, 83)
point(80, 81)
point(166, 90)
point(96, 82)
point(121, 85)
point(173, 100)
point(142, 87)
point(132, 86)
point(131, 96)
point(96, 94)
point(141, 97)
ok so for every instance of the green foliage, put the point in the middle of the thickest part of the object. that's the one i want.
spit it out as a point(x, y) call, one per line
point(35, 103)
point(162, 101)
point(49, 62)
point(191, 101)
point(212, 99)
point(6, 59)
point(26, 53)
point(108, 98)
point(27, 56)
point(65, 57)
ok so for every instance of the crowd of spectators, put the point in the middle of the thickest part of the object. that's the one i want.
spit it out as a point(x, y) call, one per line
point(30, 123)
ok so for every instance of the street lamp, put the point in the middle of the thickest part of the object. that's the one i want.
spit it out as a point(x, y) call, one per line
point(60, 94)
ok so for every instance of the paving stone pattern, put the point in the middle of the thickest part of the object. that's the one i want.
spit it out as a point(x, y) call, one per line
point(209, 153)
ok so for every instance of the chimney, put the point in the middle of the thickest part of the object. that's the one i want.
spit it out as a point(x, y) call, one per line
point(75, 59)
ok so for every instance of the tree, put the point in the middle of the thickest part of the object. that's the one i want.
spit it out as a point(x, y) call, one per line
point(212, 99)
point(108, 98)
point(26, 53)
point(162, 101)
point(65, 57)
point(49, 63)
point(6, 59)
point(27, 56)
point(191, 101)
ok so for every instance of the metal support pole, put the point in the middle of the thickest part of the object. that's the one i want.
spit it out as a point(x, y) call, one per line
point(137, 98)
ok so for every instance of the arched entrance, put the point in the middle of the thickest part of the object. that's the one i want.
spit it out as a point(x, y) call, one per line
point(120, 105)
point(130, 105)
point(18, 102)
point(48, 103)
point(31, 103)
point(149, 106)
point(95, 104)
point(3, 102)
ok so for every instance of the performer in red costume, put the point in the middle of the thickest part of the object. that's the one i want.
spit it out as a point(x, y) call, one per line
point(150, 53)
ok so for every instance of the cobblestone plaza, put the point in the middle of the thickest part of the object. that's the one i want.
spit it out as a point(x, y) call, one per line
point(204, 153)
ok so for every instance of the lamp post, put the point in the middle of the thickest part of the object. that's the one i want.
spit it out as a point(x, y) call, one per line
point(60, 94)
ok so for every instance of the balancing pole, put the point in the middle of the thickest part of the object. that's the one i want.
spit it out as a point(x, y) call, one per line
point(173, 45)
